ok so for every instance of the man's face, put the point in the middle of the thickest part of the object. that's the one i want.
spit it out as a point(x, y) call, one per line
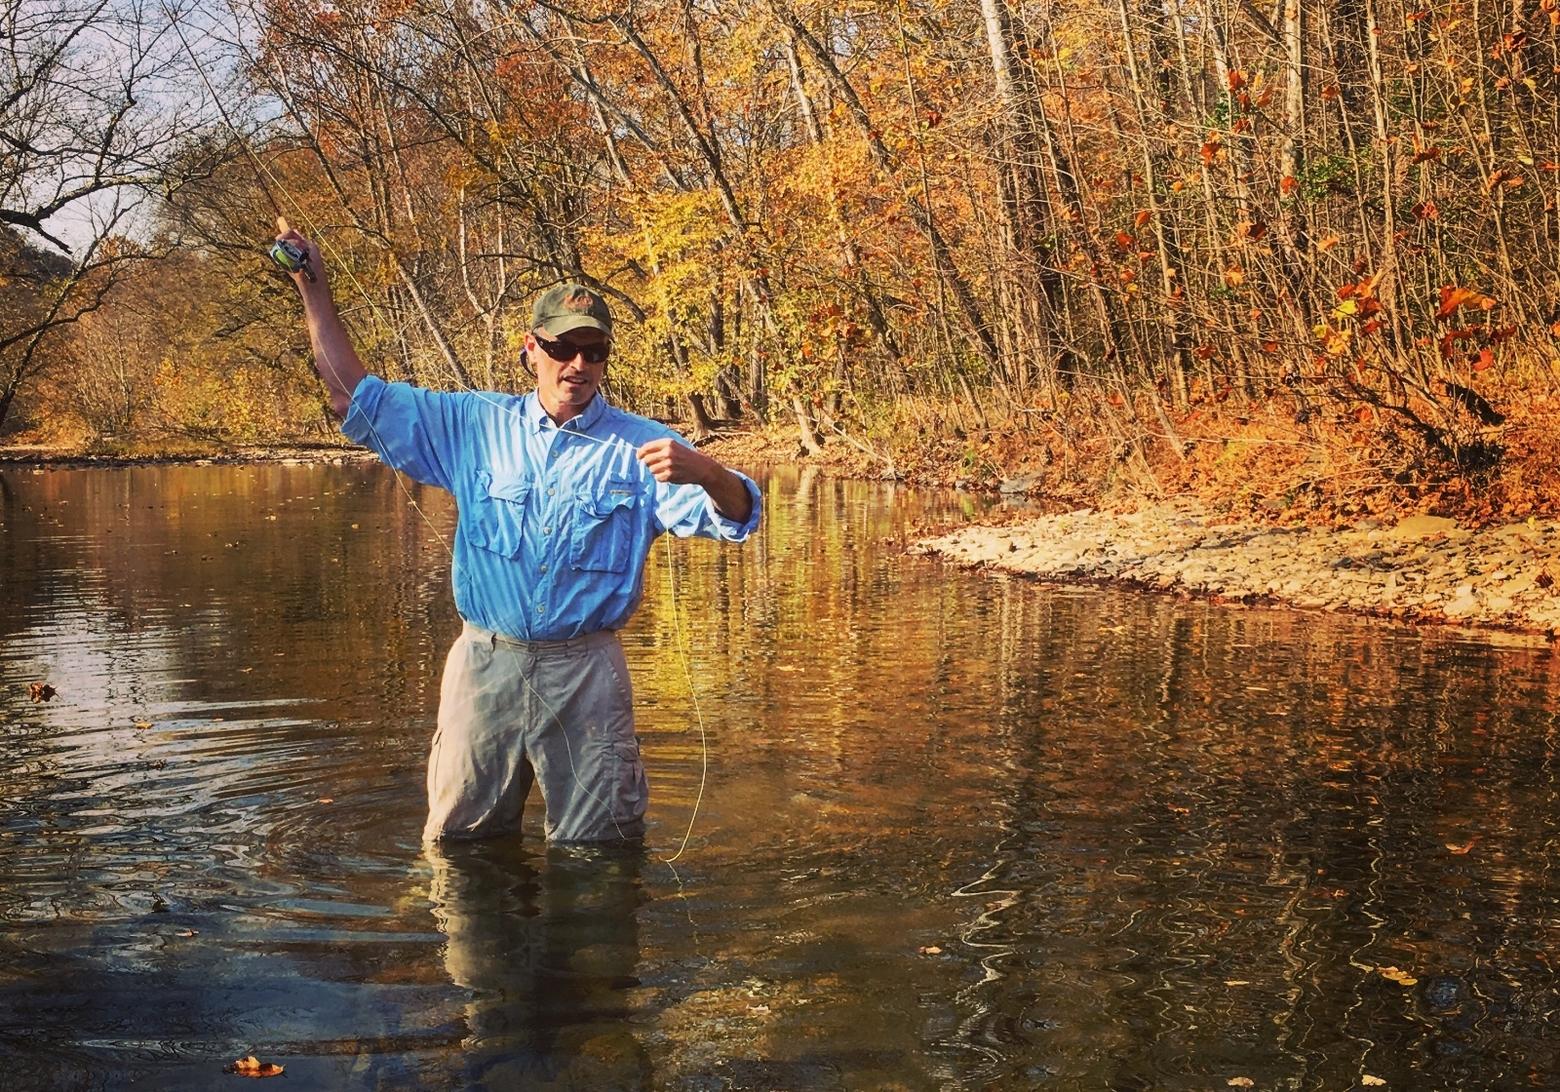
point(566, 382)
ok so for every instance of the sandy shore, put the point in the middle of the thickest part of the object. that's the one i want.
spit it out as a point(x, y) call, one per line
point(1423, 569)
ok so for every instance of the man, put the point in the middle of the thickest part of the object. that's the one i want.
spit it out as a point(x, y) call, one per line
point(560, 497)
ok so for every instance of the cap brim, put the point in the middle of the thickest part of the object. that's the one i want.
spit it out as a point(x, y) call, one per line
point(557, 327)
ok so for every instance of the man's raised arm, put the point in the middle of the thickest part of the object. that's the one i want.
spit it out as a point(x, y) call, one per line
point(335, 359)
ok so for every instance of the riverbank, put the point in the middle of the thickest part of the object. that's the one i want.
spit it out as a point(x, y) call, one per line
point(1419, 568)
point(39, 455)
point(1422, 569)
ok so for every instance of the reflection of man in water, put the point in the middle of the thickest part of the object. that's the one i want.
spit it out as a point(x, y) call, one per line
point(560, 496)
point(548, 949)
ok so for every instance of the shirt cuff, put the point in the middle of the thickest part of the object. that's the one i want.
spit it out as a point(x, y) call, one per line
point(730, 529)
point(358, 424)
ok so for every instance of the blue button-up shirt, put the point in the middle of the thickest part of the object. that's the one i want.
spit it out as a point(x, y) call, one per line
point(555, 522)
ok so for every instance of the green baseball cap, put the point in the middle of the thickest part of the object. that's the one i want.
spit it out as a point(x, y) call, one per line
point(566, 307)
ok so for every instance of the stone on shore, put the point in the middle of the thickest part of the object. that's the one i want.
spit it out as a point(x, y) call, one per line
point(1423, 569)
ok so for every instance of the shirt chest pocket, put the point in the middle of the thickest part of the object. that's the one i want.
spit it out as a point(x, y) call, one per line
point(497, 513)
point(605, 519)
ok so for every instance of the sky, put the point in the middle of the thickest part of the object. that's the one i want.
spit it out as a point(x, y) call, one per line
point(171, 96)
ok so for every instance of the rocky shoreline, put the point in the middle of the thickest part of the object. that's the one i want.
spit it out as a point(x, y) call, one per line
point(1423, 569)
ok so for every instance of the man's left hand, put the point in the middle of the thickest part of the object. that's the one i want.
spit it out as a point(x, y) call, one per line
point(678, 463)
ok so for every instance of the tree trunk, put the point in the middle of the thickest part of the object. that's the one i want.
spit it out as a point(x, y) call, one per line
point(948, 273)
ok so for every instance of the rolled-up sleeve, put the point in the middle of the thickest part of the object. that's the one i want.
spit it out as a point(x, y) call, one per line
point(414, 430)
point(687, 511)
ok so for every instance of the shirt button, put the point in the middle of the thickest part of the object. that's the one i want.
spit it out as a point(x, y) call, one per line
point(550, 492)
point(546, 530)
point(544, 568)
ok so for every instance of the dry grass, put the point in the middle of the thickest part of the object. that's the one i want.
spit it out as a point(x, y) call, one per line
point(1248, 461)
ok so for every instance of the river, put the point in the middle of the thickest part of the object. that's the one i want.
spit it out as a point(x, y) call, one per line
point(957, 832)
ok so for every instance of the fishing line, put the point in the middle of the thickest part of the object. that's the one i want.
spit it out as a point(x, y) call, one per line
point(262, 174)
point(683, 655)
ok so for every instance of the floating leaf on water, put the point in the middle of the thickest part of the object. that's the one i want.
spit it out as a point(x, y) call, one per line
point(1236, 982)
point(184, 933)
point(41, 691)
point(327, 800)
point(143, 724)
point(931, 949)
point(251, 1066)
point(1241, 1082)
point(1371, 1082)
point(1394, 974)
point(1461, 849)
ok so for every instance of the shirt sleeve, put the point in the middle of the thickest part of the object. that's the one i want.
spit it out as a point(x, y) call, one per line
point(687, 510)
point(414, 430)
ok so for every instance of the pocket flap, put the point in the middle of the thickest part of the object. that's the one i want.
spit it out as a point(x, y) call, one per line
point(513, 489)
point(610, 496)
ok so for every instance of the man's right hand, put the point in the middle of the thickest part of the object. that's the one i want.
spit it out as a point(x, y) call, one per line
point(285, 233)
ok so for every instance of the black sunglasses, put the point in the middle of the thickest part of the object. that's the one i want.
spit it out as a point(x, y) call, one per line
point(564, 351)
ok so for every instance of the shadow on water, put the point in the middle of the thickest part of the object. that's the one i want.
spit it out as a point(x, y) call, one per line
point(959, 831)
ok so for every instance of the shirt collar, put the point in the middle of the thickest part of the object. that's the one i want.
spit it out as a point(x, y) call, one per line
point(581, 422)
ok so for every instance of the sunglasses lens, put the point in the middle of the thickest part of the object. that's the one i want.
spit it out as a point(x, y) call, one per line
point(565, 351)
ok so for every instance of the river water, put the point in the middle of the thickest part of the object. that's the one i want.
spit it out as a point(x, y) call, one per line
point(958, 832)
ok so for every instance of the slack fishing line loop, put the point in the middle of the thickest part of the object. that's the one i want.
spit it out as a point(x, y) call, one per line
point(295, 259)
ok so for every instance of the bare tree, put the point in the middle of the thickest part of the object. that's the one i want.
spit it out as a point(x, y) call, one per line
point(87, 132)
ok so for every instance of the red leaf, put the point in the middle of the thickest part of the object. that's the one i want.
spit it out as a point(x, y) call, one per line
point(250, 1066)
point(1452, 298)
point(1486, 358)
